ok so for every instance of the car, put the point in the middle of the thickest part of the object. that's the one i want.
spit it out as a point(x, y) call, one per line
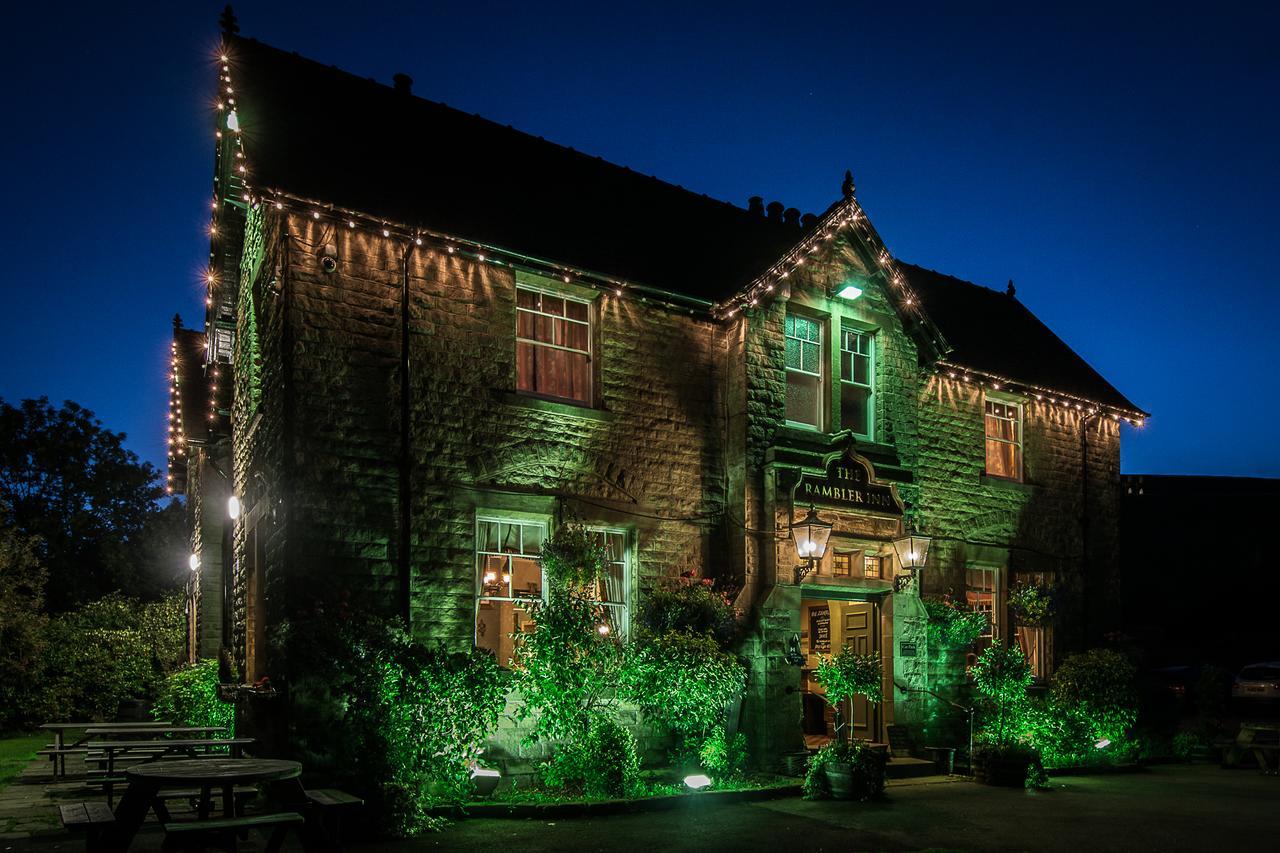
point(1258, 682)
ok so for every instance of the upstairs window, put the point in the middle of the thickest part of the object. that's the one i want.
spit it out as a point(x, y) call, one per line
point(857, 358)
point(1004, 439)
point(804, 371)
point(553, 346)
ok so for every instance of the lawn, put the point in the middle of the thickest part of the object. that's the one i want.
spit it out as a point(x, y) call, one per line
point(16, 752)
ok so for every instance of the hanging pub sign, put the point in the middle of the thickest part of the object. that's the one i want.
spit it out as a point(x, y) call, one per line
point(847, 483)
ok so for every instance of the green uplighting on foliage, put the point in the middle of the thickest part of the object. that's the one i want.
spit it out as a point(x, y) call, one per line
point(849, 292)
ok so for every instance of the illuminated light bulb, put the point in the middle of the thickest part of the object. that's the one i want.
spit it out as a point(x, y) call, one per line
point(242, 171)
point(194, 562)
point(233, 121)
point(566, 279)
point(1039, 397)
point(490, 577)
point(230, 90)
point(418, 241)
point(755, 301)
point(506, 577)
point(603, 630)
point(480, 258)
point(800, 262)
point(386, 232)
point(995, 385)
point(768, 288)
point(217, 134)
point(213, 229)
point(315, 214)
point(224, 57)
point(279, 206)
point(618, 292)
point(449, 250)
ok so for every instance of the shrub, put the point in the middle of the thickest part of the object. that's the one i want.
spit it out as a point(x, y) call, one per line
point(681, 681)
point(847, 674)
point(1001, 676)
point(953, 625)
point(109, 651)
point(722, 757)
point(413, 717)
point(1186, 745)
point(1094, 696)
point(867, 766)
point(602, 764)
point(22, 628)
point(688, 605)
point(189, 697)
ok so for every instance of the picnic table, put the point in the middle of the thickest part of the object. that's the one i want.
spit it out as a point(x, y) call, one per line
point(152, 750)
point(1261, 740)
point(146, 782)
point(58, 750)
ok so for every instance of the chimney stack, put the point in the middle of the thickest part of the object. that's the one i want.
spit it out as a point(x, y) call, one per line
point(403, 84)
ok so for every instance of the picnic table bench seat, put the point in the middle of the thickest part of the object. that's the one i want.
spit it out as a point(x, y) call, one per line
point(329, 805)
point(89, 818)
point(196, 834)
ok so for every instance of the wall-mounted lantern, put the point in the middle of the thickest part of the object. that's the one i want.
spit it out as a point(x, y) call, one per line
point(912, 551)
point(810, 535)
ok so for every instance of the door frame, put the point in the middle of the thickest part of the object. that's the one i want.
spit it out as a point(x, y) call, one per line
point(813, 592)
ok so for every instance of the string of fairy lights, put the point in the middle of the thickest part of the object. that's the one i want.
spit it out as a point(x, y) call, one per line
point(177, 435)
point(846, 215)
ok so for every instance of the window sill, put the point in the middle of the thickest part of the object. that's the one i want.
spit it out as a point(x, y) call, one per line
point(1005, 483)
point(555, 407)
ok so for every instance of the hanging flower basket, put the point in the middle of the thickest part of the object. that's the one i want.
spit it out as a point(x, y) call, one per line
point(1031, 603)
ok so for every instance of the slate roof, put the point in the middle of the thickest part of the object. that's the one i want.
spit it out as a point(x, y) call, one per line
point(991, 331)
point(324, 134)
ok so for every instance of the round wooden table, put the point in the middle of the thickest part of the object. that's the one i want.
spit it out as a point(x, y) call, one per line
point(146, 780)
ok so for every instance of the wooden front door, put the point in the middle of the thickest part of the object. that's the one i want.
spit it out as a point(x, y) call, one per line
point(859, 631)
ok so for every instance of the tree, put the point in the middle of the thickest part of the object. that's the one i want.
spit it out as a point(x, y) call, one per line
point(71, 482)
point(22, 625)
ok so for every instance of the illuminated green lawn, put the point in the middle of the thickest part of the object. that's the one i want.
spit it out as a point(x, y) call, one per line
point(16, 752)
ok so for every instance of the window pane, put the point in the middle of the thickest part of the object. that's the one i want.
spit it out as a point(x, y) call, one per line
point(846, 365)
point(855, 408)
point(526, 298)
point(810, 358)
point(1002, 459)
point(487, 536)
point(871, 567)
point(862, 370)
point(509, 542)
point(496, 621)
point(793, 354)
point(841, 564)
point(531, 539)
point(576, 310)
point(526, 325)
point(553, 305)
point(575, 336)
point(526, 577)
point(802, 398)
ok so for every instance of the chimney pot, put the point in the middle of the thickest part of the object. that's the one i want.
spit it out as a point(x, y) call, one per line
point(755, 205)
point(808, 220)
point(775, 210)
point(791, 216)
point(403, 83)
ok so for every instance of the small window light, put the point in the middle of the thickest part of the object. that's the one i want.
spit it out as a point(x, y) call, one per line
point(849, 292)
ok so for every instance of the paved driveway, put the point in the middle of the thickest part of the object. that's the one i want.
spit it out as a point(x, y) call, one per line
point(1162, 808)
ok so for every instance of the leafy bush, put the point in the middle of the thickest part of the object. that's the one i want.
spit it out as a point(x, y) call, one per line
point(1001, 676)
point(1186, 745)
point(867, 765)
point(722, 757)
point(951, 624)
point(681, 681)
point(1094, 694)
point(109, 651)
point(688, 605)
point(847, 674)
point(22, 628)
point(189, 697)
point(413, 718)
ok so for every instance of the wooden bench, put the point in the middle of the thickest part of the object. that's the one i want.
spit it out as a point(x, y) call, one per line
point(201, 800)
point(329, 804)
point(196, 834)
point(90, 818)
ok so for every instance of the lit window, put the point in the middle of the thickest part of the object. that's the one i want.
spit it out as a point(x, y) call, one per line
point(553, 345)
point(856, 365)
point(982, 593)
point(841, 564)
point(804, 371)
point(508, 578)
point(871, 567)
point(1004, 439)
point(612, 592)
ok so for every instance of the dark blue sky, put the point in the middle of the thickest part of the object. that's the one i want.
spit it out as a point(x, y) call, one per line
point(1118, 162)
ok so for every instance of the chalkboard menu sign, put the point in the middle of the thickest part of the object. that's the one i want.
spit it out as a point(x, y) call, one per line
point(820, 630)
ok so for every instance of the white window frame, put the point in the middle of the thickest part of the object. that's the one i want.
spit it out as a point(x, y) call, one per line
point(870, 386)
point(819, 375)
point(1017, 406)
point(477, 554)
point(995, 622)
point(625, 606)
point(589, 323)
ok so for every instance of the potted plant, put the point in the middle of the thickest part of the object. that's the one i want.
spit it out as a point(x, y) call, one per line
point(844, 765)
point(1031, 603)
point(1003, 756)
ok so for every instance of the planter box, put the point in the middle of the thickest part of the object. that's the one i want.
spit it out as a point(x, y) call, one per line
point(1008, 771)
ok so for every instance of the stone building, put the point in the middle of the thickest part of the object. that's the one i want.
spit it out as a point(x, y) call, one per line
point(431, 338)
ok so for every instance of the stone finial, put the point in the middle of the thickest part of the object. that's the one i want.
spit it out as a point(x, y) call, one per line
point(227, 20)
point(846, 186)
point(1010, 290)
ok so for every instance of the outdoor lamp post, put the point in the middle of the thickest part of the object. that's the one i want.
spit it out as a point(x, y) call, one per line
point(811, 537)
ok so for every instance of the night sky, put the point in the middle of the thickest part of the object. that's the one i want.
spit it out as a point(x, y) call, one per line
point(1120, 164)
